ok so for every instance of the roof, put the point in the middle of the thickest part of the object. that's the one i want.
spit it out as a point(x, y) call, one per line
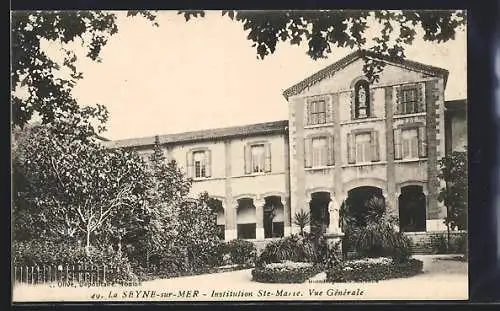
point(267, 128)
point(343, 62)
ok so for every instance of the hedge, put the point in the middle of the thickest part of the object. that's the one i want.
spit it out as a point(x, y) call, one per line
point(286, 272)
point(372, 270)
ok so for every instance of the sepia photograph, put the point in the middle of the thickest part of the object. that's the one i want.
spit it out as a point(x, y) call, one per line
point(166, 156)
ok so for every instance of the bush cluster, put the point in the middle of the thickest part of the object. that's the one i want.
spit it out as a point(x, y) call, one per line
point(457, 245)
point(285, 272)
point(297, 248)
point(373, 269)
point(241, 252)
point(49, 253)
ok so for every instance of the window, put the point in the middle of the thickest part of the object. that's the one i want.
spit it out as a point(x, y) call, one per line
point(199, 164)
point(319, 152)
point(362, 100)
point(363, 145)
point(258, 159)
point(410, 143)
point(317, 112)
point(410, 100)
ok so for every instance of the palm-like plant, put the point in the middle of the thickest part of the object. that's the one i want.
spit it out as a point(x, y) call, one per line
point(301, 219)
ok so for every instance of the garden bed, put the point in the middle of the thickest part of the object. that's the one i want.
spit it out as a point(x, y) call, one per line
point(285, 272)
point(373, 270)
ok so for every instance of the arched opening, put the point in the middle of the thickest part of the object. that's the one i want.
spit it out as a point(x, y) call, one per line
point(364, 202)
point(412, 209)
point(245, 219)
point(273, 217)
point(319, 215)
point(218, 209)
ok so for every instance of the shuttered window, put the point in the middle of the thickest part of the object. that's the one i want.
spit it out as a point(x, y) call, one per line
point(257, 158)
point(410, 143)
point(199, 164)
point(320, 151)
point(199, 158)
point(317, 112)
point(410, 99)
point(363, 148)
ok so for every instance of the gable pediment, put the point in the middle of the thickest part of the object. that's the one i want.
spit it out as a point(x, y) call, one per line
point(355, 60)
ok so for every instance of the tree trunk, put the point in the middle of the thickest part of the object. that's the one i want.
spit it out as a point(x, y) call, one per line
point(87, 244)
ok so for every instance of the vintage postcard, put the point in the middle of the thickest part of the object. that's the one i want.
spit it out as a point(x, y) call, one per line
point(239, 155)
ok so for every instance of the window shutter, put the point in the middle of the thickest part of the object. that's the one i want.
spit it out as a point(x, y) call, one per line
point(397, 100)
point(331, 153)
point(375, 152)
point(329, 110)
point(422, 142)
point(208, 161)
point(397, 144)
point(421, 97)
point(308, 152)
point(351, 148)
point(307, 113)
point(248, 159)
point(353, 104)
point(189, 164)
point(267, 165)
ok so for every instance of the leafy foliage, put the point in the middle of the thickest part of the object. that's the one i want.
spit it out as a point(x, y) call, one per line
point(298, 248)
point(301, 219)
point(241, 251)
point(48, 92)
point(323, 29)
point(375, 235)
point(49, 95)
point(285, 272)
point(453, 170)
point(372, 270)
point(75, 187)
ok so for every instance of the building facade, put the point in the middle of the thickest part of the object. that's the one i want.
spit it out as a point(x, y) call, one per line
point(346, 140)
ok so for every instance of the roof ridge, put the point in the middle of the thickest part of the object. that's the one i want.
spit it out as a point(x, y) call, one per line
point(344, 61)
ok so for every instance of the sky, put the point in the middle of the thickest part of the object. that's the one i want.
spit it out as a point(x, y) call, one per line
point(204, 73)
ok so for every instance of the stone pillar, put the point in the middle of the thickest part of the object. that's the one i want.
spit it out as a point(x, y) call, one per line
point(389, 144)
point(230, 220)
point(287, 217)
point(230, 232)
point(259, 219)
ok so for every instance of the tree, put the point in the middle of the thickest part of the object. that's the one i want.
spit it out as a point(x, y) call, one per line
point(77, 188)
point(198, 230)
point(159, 228)
point(301, 219)
point(453, 171)
point(49, 93)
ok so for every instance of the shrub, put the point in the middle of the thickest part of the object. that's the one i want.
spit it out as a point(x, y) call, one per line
point(380, 239)
point(285, 272)
point(457, 245)
point(241, 251)
point(373, 269)
point(298, 248)
point(47, 253)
